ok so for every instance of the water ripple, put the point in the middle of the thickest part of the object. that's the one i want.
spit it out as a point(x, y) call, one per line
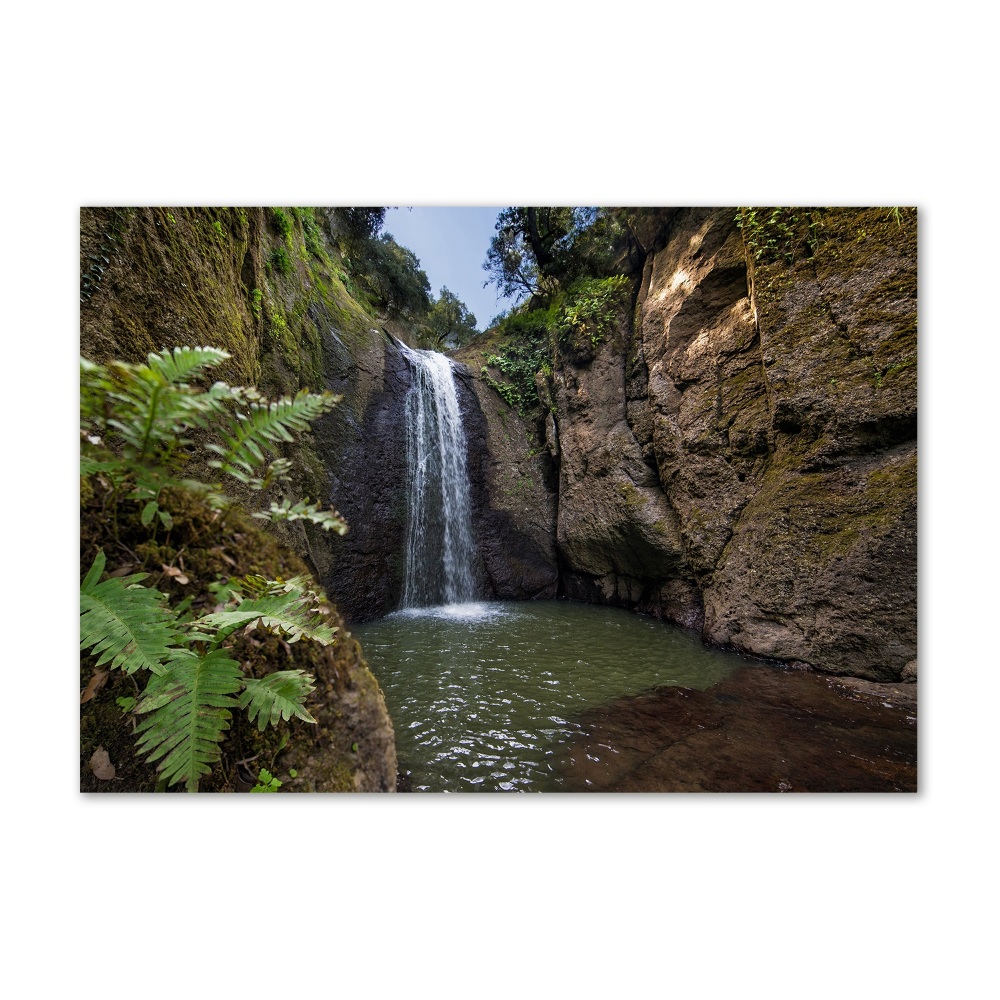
point(479, 692)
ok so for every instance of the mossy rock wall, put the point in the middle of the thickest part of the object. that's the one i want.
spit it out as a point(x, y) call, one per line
point(267, 285)
point(743, 458)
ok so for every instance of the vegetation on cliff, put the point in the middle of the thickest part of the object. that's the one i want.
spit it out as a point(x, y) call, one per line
point(168, 530)
point(574, 270)
point(139, 456)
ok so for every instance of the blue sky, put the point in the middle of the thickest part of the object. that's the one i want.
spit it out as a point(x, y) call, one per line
point(451, 244)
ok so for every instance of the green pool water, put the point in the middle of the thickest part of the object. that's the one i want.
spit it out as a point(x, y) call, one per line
point(484, 696)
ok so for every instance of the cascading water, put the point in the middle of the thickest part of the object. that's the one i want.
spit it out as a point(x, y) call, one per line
point(440, 552)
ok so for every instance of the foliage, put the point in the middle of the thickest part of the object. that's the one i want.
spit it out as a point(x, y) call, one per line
point(195, 686)
point(139, 424)
point(529, 246)
point(536, 251)
point(387, 273)
point(311, 231)
point(280, 261)
point(391, 274)
point(266, 782)
point(146, 431)
point(283, 224)
point(584, 314)
point(592, 307)
point(124, 623)
point(357, 226)
point(519, 361)
point(449, 323)
point(774, 235)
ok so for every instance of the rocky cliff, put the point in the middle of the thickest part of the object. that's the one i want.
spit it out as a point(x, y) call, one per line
point(741, 456)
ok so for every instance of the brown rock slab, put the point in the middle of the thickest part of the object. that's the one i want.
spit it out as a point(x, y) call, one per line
point(763, 729)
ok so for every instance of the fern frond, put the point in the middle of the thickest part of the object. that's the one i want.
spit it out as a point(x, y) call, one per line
point(329, 520)
point(125, 623)
point(190, 705)
point(249, 435)
point(154, 408)
point(178, 366)
point(288, 614)
point(278, 696)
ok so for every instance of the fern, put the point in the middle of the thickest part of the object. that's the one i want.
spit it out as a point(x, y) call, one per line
point(136, 422)
point(156, 408)
point(184, 362)
point(191, 695)
point(124, 623)
point(278, 696)
point(249, 435)
point(191, 705)
point(305, 511)
point(287, 614)
point(135, 427)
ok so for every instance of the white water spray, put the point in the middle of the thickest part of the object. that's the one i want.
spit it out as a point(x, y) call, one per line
point(440, 551)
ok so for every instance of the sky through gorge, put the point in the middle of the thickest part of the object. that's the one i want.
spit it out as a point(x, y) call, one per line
point(451, 244)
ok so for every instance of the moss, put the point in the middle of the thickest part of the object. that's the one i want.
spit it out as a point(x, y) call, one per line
point(632, 497)
point(829, 512)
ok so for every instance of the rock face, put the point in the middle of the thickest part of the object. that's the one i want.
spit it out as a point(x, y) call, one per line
point(513, 496)
point(152, 278)
point(362, 445)
point(742, 458)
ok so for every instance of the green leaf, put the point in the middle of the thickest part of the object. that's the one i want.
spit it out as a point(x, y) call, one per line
point(125, 623)
point(288, 613)
point(247, 436)
point(190, 706)
point(278, 696)
point(328, 520)
point(266, 782)
point(148, 512)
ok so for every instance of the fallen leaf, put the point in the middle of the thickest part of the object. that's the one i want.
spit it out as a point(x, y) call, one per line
point(100, 764)
point(98, 681)
point(176, 573)
point(123, 570)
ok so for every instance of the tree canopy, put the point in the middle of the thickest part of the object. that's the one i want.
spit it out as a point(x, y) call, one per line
point(449, 323)
point(537, 250)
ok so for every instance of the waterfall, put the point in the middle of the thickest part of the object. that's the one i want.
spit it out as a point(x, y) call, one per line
point(440, 552)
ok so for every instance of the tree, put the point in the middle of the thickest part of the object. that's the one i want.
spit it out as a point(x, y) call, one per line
point(449, 323)
point(357, 225)
point(529, 248)
point(537, 250)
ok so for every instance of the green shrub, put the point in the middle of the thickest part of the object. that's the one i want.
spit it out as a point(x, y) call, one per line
point(280, 261)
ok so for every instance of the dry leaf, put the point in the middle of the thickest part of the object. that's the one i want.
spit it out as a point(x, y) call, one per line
point(123, 570)
point(176, 573)
point(100, 764)
point(98, 681)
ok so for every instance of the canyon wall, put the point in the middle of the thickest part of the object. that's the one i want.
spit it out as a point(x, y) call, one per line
point(266, 287)
point(741, 456)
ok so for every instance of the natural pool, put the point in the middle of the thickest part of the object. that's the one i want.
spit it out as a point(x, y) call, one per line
point(486, 696)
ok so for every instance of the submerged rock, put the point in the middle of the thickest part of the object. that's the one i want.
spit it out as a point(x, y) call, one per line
point(763, 729)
